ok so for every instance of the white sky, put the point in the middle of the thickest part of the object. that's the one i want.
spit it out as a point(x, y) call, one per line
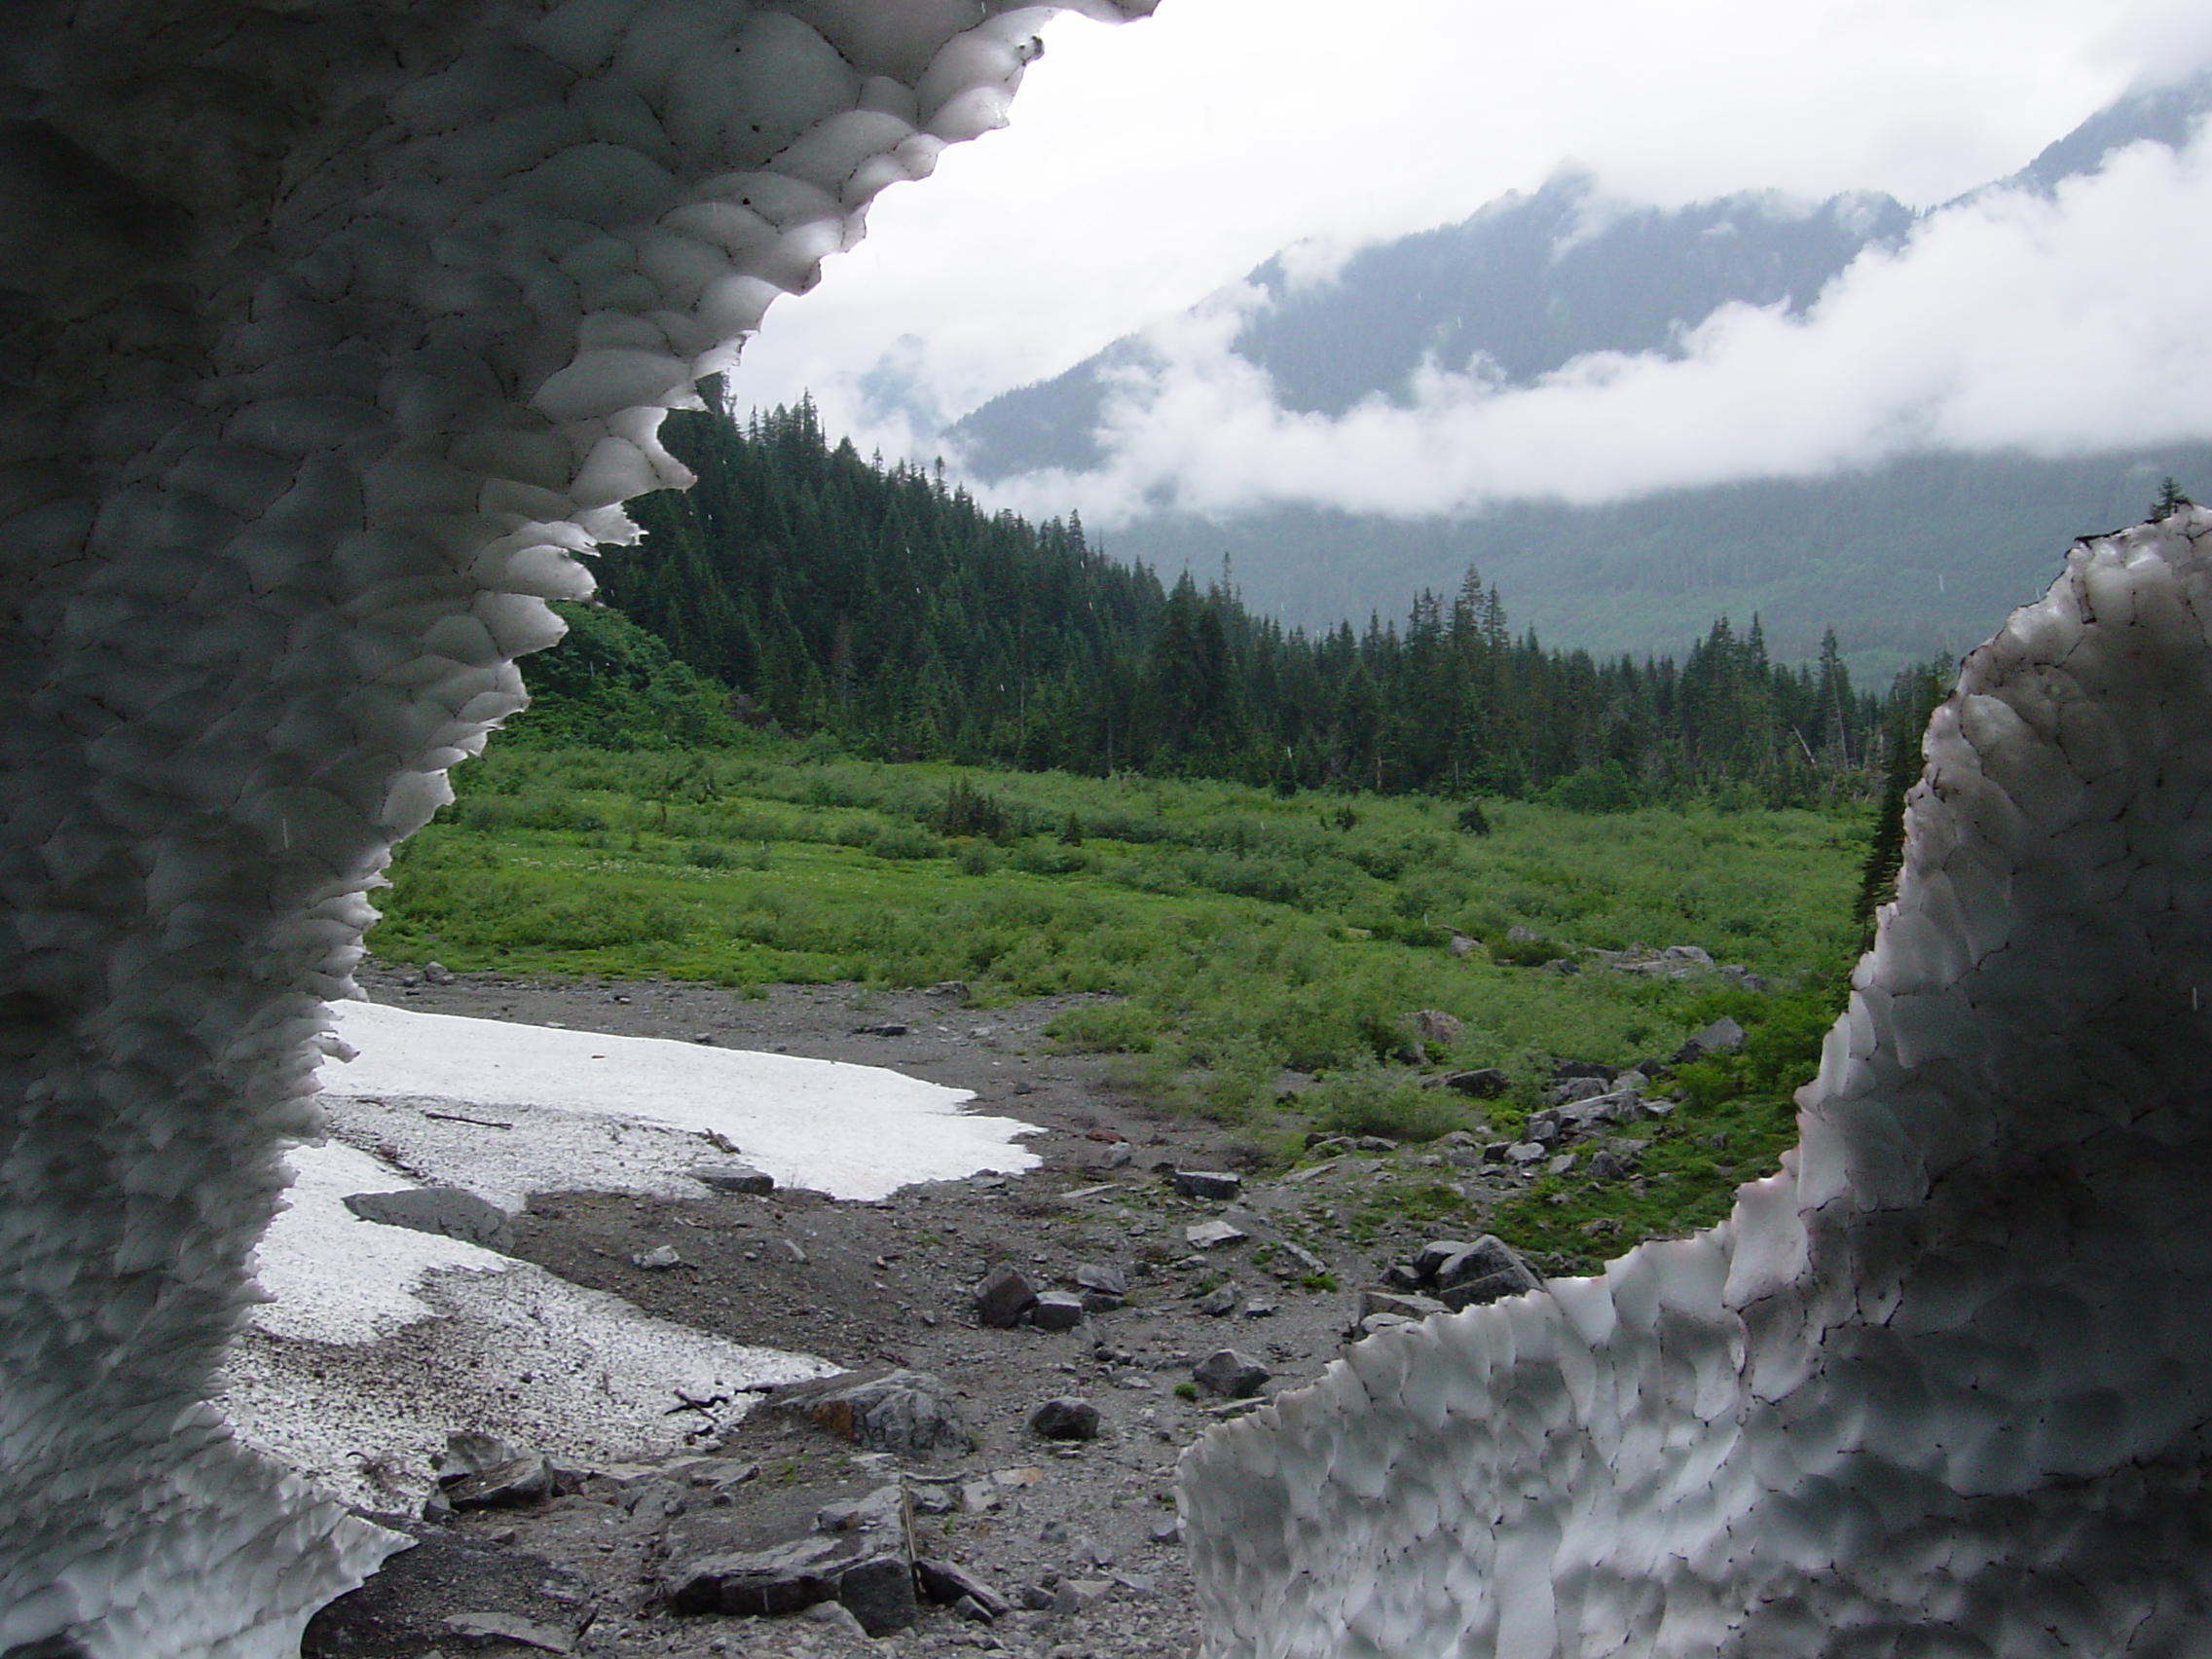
point(1150, 164)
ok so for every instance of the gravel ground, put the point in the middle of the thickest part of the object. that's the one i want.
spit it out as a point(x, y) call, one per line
point(875, 1285)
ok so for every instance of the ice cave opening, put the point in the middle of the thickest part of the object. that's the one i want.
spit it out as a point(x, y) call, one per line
point(336, 328)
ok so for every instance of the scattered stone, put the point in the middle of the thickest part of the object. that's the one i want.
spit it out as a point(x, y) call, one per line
point(1221, 1300)
point(979, 1497)
point(1723, 1037)
point(1560, 966)
point(1057, 1310)
point(436, 973)
point(1101, 1276)
point(1434, 1025)
point(735, 1178)
point(948, 1584)
point(449, 1213)
point(949, 990)
point(1460, 946)
point(1398, 1305)
point(1526, 1152)
point(1238, 1375)
point(766, 1583)
point(1259, 1308)
point(1065, 1420)
point(660, 1256)
point(794, 1249)
point(1003, 1297)
point(1167, 1532)
point(1607, 1166)
point(1485, 1082)
point(1487, 1270)
point(478, 1630)
point(889, 1028)
point(903, 1412)
point(1572, 1089)
point(1598, 1069)
point(1207, 1183)
point(1098, 1301)
point(1518, 934)
point(881, 1508)
point(1374, 1143)
point(1292, 1258)
point(482, 1471)
point(1213, 1236)
point(1561, 1164)
point(1079, 1594)
point(879, 1593)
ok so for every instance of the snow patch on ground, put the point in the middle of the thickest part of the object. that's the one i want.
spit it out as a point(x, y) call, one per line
point(633, 1114)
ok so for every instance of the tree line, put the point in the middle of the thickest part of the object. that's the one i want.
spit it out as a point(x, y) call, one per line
point(890, 613)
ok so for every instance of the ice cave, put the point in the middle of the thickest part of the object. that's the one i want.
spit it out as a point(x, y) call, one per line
point(335, 328)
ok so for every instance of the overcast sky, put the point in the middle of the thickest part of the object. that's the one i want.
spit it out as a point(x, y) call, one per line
point(1148, 166)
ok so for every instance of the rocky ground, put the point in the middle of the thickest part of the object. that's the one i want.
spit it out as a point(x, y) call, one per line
point(1074, 1537)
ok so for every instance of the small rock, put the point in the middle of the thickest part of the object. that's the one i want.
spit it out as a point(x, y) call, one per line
point(1433, 1025)
point(1432, 1256)
point(1526, 1152)
point(1607, 1166)
point(1374, 1143)
point(979, 1497)
point(889, 1028)
point(949, 990)
point(436, 973)
point(1297, 1258)
point(482, 1471)
point(1037, 1599)
point(879, 1593)
point(735, 1178)
point(1206, 1183)
point(1079, 1594)
point(1596, 1069)
point(1101, 1276)
point(1460, 946)
point(1003, 1297)
point(1403, 1307)
point(1560, 966)
point(1486, 1083)
point(1167, 1532)
point(1238, 1376)
point(1065, 1420)
point(949, 1584)
point(1057, 1310)
point(1213, 1236)
point(1221, 1300)
point(1561, 1164)
point(881, 1508)
point(660, 1256)
point(794, 1249)
point(1518, 934)
point(903, 1412)
point(1098, 1301)
point(448, 1212)
point(1259, 1308)
point(1723, 1037)
point(478, 1630)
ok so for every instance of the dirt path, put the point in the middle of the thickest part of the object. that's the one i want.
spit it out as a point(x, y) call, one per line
point(870, 1286)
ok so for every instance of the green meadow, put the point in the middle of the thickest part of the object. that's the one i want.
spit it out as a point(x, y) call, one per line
point(1227, 934)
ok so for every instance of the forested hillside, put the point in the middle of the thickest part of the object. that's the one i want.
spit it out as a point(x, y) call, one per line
point(878, 606)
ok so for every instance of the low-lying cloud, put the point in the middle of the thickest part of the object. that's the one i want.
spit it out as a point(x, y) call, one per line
point(2012, 321)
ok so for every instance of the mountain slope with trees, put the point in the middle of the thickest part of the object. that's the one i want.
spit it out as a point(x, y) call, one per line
point(887, 611)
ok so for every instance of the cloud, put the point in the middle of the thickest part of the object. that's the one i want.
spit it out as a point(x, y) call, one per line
point(2069, 325)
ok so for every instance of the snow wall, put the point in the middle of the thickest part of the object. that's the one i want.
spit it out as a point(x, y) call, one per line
point(1942, 1386)
point(330, 330)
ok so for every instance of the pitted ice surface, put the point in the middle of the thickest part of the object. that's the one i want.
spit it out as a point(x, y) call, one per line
point(332, 330)
point(1942, 1385)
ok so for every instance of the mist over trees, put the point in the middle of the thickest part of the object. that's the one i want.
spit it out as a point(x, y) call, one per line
point(886, 613)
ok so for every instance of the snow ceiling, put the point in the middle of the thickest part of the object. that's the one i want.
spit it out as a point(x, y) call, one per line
point(331, 332)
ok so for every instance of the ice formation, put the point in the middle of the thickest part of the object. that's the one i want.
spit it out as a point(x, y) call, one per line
point(332, 329)
point(1942, 1385)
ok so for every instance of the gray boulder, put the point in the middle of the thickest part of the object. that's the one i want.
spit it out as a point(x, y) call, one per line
point(1002, 1297)
point(735, 1178)
point(1206, 1183)
point(450, 1212)
point(1065, 1420)
point(1235, 1375)
point(903, 1412)
point(1057, 1310)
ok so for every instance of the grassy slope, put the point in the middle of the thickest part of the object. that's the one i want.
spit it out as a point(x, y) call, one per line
point(1246, 933)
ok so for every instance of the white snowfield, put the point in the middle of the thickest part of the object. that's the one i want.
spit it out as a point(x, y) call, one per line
point(437, 1334)
point(633, 1114)
point(1942, 1386)
point(380, 1340)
